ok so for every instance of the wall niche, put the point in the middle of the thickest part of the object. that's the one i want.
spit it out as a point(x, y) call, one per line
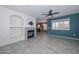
point(16, 27)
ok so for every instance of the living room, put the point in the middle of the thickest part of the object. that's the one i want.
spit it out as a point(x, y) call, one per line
point(36, 29)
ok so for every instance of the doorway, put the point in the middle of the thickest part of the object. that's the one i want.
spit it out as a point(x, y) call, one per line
point(41, 27)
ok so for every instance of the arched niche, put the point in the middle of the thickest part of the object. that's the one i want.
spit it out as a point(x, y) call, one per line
point(16, 27)
point(16, 21)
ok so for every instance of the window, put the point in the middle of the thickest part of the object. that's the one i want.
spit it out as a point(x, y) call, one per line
point(63, 24)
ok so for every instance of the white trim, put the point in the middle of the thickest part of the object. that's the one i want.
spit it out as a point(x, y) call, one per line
point(63, 37)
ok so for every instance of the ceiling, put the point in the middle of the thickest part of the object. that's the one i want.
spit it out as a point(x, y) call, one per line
point(37, 10)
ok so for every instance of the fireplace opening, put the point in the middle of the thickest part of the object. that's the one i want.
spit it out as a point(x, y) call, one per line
point(30, 33)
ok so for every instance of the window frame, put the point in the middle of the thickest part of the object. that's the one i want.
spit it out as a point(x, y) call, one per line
point(63, 27)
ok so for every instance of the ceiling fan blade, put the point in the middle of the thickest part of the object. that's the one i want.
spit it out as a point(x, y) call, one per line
point(50, 14)
point(55, 13)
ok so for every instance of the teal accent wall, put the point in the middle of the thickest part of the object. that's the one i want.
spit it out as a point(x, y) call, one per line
point(74, 26)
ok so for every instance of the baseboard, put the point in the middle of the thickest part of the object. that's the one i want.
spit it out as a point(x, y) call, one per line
point(63, 37)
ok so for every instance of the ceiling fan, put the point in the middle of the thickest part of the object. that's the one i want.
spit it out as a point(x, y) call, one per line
point(50, 13)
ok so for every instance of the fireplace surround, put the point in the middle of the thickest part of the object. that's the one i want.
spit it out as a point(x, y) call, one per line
point(30, 32)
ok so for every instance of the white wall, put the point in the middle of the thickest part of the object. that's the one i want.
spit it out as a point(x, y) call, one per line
point(41, 20)
point(45, 26)
point(30, 19)
point(5, 13)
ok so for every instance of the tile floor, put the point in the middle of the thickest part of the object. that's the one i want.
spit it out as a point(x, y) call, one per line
point(42, 44)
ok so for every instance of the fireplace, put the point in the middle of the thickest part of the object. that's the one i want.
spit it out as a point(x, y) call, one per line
point(30, 33)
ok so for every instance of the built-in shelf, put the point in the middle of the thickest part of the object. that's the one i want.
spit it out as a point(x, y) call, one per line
point(16, 27)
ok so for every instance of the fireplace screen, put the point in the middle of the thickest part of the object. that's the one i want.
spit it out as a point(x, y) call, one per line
point(30, 33)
